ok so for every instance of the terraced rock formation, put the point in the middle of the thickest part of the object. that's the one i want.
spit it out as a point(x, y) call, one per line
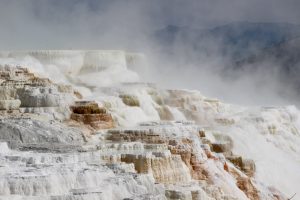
point(89, 113)
point(129, 140)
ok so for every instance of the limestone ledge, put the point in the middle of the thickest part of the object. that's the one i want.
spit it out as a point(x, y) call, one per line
point(42, 158)
point(213, 159)
point(20, 89)
point(89, 113)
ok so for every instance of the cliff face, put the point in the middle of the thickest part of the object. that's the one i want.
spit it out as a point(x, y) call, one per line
point(134, 140)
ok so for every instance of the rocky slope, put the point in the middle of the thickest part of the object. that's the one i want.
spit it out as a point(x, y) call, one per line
point(121, 139)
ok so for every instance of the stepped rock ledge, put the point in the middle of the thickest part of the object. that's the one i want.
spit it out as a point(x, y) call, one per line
point(80, 125)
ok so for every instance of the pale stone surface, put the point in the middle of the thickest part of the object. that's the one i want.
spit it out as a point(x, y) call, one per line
point(157, 150)
point(12, 104)
point(19, 88)
point(22, 131)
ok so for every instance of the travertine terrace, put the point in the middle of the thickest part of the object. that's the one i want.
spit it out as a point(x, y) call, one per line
point(90, 138)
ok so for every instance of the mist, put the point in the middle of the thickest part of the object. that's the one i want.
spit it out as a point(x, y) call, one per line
point(131, 26)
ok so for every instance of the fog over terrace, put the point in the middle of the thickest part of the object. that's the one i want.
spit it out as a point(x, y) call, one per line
point(133, 26)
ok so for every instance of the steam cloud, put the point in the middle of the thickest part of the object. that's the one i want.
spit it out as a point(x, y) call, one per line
point(130, 25)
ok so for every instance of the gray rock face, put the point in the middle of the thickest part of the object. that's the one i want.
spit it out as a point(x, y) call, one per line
point(39, 97)
point(12, 104)
point(22, 132)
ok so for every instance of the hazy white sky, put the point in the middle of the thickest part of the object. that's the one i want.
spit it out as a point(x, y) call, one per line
point(121, 23)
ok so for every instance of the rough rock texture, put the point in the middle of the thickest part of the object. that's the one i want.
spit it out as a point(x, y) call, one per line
point(39, 97)
point(152, 152)
point(89, 113)
point(165, 168)
point(32, 175)
point(130, 100)
point(21, 89)
point(246, 165)
point(13, 104)
point(23, 131)
point(199, 162)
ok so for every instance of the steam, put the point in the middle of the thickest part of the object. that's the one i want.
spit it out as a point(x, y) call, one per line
point(130, 25)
